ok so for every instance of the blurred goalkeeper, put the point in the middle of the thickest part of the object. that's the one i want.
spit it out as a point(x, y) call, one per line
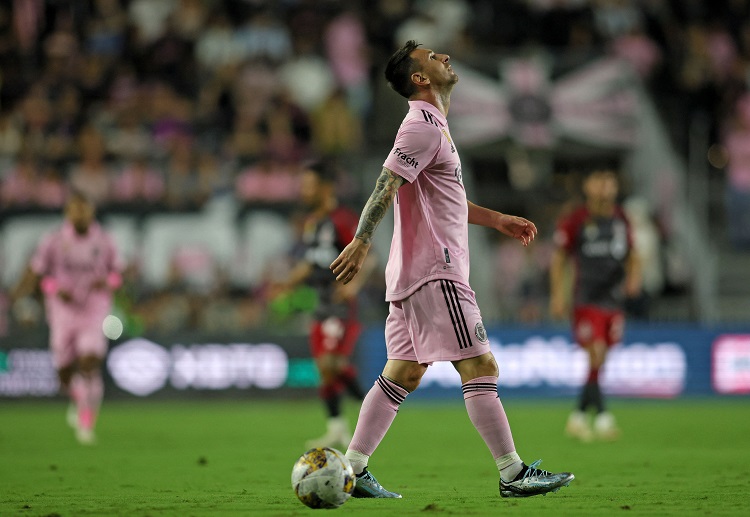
point(329, 227)
point(77, 268)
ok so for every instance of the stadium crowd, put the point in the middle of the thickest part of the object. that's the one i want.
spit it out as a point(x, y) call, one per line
point(161, 106)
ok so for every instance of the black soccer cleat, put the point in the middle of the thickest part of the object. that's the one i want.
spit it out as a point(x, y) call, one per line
point(534, 481)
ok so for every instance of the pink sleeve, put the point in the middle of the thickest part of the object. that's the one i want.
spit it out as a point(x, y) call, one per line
point(415, 148)
point(41, 261)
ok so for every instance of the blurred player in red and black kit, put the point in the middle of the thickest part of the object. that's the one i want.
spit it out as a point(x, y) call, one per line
point(328, 228)
point(607, 271)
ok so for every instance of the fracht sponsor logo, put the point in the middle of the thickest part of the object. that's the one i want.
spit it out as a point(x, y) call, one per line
point(405, 158)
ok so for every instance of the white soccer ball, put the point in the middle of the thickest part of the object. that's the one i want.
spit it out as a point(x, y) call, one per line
point(323, 478)
point(112, 327)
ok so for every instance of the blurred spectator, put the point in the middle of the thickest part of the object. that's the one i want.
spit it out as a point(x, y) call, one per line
point(639, 50)
point(247, 141)
point(268, 181)
point(138, 183)
point(216, 47)
point(19, 182)
point(346, 49)
point(615, 18)
point(318, 84)
point(287, 130)
point(263, 36)
point(647, 244)
point(106, 29)
point(189, 18)
point(336, 127)
point(51, 190)
point(170, 117)
point(737, 142)
point(129, 138)
point(213, 177)
point(10, 135)
point(65, 124)
point(149, 18)
point(520, 279)
point(36, 116)
point(183, 190)
point(91, 175)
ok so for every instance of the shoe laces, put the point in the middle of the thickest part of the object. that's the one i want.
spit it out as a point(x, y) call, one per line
point(533, 471)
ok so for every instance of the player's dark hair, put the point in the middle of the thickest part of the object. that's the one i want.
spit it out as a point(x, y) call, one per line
point(324, 170)
point(399, 69)
point(603, 166)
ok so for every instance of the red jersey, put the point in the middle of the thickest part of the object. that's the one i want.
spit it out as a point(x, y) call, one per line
point(600, 247)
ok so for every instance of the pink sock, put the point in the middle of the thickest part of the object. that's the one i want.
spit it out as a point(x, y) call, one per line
point(488, 416)
point(376, 415)
point(91, 390)
point(75, 390)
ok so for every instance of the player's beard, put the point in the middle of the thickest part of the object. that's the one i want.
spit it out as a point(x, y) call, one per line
point(81, 228)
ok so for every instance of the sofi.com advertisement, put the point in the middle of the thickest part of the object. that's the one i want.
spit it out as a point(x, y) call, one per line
point(652, 361)
point(663, 362)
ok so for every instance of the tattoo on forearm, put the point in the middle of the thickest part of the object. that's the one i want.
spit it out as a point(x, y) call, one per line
point(379, 202)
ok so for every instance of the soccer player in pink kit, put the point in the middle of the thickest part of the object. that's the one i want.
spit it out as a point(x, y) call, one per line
point(433, 312)
point(77, 269)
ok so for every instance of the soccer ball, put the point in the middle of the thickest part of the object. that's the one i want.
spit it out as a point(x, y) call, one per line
point(323, 478)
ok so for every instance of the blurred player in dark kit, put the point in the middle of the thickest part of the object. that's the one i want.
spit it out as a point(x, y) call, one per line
point(328, 227)
point(597, 238)
point(78, 269)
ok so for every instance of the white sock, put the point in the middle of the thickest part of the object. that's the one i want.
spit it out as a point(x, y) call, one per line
point(338, 425)
point(509, 466)
point(358, 460)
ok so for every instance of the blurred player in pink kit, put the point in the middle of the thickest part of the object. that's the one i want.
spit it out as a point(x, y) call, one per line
point(433, 312)
point(77, 268)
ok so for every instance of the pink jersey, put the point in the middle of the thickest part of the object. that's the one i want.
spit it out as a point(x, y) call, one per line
point(430, 234)
point(71, 262)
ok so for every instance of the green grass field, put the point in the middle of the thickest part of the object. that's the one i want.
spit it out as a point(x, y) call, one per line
point(235, 458)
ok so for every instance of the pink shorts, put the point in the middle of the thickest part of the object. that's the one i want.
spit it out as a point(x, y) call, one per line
point(439, 322)
point(74, 334)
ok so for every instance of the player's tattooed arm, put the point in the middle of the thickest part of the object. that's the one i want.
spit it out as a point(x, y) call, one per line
point(376, 207)
point(350, 261)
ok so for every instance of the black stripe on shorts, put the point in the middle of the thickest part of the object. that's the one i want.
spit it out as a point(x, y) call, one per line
point(456, 314)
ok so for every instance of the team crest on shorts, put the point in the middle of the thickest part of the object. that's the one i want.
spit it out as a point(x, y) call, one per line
point(480, 332)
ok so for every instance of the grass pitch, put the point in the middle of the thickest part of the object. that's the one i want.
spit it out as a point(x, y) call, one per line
point(235, 458)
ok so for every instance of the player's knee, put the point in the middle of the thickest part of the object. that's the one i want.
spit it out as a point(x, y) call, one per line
point(89, 364)
point(408, 376)
point(326, 368)
point(411, 383)
point(327, 376)
point(481, 366)
point(598, 354)
point(65, 374)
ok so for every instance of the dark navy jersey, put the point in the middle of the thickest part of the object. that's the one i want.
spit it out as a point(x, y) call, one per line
point(323, 239)
point(600, 247)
